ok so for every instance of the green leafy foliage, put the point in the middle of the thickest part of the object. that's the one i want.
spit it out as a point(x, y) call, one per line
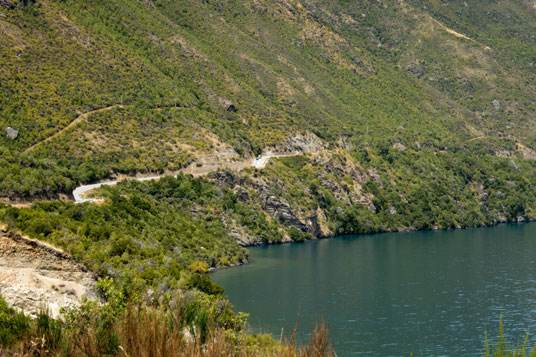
point(375, 75)
point(13, 324)
point(25, 176)
point(426, 107)
point(406, 189)
point(150, 231)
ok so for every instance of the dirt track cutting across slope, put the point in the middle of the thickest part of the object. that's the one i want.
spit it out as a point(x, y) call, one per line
point(84, 116)
point(72, 124)
point(80, 193)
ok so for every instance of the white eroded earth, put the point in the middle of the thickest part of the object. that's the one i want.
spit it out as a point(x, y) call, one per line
point(34, 274)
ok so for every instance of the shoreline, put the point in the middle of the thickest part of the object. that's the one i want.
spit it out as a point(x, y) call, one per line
point(248, 262)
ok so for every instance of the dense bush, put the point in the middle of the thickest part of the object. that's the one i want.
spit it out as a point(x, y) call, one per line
point(145, 230)
point(325, 68)
point(408, 189)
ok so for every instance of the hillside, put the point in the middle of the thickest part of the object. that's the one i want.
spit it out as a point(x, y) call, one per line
point(400, 115)
point(368, 72)
point(113, 88)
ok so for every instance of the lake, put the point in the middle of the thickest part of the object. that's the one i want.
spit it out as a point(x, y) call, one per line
point(430, 293)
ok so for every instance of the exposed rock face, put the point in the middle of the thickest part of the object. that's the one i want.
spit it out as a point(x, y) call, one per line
point(12, 133)
point(300, 143)
point(504, 153)
point(240, 234)
point(399, 146)
point(349, 195)
point(244, 239)
point(242, 194)
point(317, 224)
point(33, 273)
point(345, 143)
point(227, 179)
point(331, 166)
point(280, 209)
point(526, 152)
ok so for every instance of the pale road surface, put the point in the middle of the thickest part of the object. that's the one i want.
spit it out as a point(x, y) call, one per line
point(80, 192)
point(260, 162)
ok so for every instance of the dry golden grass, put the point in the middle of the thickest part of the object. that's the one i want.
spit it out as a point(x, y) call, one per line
point(146, 331)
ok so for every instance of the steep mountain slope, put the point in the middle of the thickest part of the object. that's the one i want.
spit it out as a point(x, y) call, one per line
point(424, 109)
point(272, 69)
point(253, 73)
point(400, 115)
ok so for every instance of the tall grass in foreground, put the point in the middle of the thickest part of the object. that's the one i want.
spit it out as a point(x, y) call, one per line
point(146, 331)
point(503, 349)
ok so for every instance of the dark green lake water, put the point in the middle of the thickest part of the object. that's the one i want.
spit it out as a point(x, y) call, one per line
point(430, 293)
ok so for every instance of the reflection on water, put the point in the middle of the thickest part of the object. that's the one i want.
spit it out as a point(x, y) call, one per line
point(430, 293)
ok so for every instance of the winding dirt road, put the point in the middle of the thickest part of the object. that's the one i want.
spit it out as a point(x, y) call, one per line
point(80, 193)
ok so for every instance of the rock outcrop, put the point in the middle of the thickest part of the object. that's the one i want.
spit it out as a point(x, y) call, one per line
point(228, 105)
point(316, 224)
point(34, 274)
point(12, 133)
point(280, 209)
point(272, 194)
point(305, 142)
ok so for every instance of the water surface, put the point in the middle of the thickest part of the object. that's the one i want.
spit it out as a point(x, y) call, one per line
point(430, 293)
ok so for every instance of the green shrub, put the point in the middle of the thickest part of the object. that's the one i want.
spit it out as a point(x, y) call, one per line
point(14, 325)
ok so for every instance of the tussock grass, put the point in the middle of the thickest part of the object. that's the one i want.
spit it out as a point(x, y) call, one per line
point(502, 348)
point(143, 330)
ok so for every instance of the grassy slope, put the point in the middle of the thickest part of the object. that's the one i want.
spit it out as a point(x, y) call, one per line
point(283, 69)
point(335, 68)
point(316, 65)
point(421, 151)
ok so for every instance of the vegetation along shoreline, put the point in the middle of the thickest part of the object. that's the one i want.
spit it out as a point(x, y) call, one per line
point(300, 120)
